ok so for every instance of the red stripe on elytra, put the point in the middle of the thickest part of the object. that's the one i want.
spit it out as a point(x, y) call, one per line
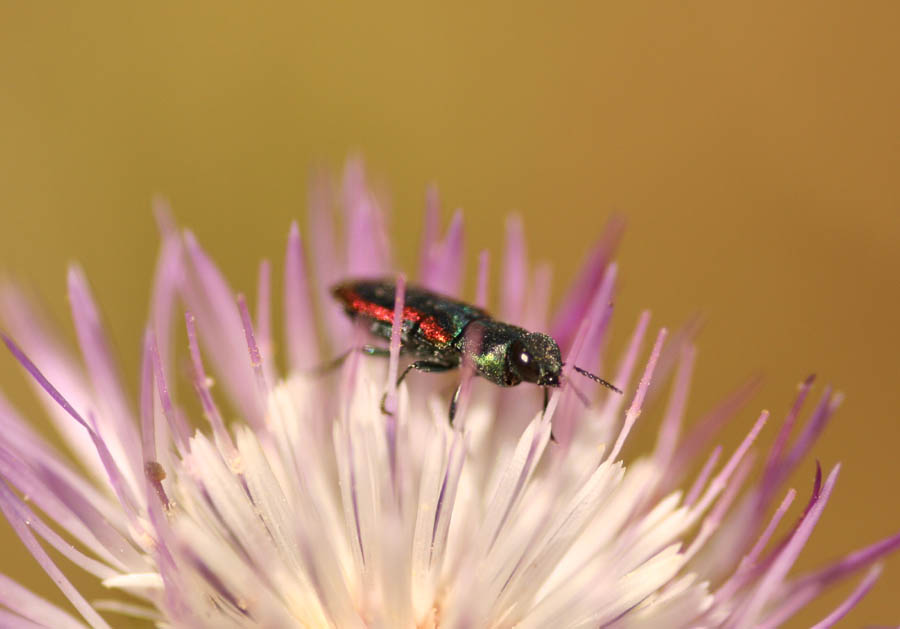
point(432, 329)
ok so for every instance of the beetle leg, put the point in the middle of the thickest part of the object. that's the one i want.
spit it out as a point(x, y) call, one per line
point(339, 360)
point(432, 366)
point(371, 350)
point(454, 401)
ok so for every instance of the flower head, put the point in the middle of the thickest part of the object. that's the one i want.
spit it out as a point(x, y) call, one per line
point(314, 507)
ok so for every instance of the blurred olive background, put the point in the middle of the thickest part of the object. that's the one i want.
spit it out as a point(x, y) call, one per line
point(752, 147)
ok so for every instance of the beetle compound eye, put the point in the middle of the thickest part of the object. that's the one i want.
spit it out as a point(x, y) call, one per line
point(523, 362)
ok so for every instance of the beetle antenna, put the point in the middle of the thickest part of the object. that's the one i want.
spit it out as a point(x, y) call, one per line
point(588, 374)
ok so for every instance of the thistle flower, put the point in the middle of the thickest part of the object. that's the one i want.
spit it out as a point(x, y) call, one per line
point(312, 508)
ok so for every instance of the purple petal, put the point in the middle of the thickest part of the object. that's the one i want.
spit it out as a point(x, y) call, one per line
point(115, 411)
point(757, 549)
point(176, 425)
point(167, 278)
point(452, 262)
point(444, 265)
point(562, 404)
point(774, 472)
point(749, 567)
point(635, 410)
point(705, 472)
point(354, 189)
point(31, 606)
point(578, 299)
point(538, 301)
point(467, 374)
point(593, 319)
point(852, 562)
point(255, 359)
point(390, 403)
point(12, 621)
point(73, 506)
point(176, 609)
point(64, 547)
point(714, 519)
point(626, 367)
point(40, 341)
point(674, 415)
point(41, 380)
point(685, 335)
point(481, 290)
point(148, 421)
point(720, 481)
point(116, 480)
point(201, 386)
point(264, 319)
point(8, 504)
point(824, 410)
point(329, 267)
point(299, 321)
point(851, 601)
point(784, 434)
point(776, 573)
point(210, 299)
point(430, 231)
point(589, 355)
point(162, 212)
point(707, 426)
point(396, 328)
point(515, 271)
point(367, 247)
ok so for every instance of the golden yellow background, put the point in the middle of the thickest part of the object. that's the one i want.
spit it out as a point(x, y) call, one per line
point(753, 147)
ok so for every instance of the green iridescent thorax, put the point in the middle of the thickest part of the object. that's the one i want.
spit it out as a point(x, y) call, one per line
point(508, 355)
point(461, 315)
